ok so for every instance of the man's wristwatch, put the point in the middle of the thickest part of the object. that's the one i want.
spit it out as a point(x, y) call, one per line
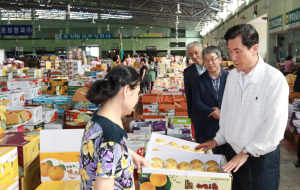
point(246, 152)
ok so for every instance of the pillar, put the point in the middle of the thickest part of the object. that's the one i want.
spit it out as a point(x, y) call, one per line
point(134, 42)
point(99, 41)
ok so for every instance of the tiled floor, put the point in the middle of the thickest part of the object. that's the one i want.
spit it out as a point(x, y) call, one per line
point(290, 175)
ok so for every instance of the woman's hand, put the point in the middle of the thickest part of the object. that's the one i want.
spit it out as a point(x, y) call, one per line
point(138, 161)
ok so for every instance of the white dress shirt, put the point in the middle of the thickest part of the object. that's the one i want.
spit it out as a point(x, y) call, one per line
point(256, 118)
point(246, 78)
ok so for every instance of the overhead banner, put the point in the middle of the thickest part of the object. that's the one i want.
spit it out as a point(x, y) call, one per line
point(275, 24)
point(143, 35)
point(16, 30)
point(292, 18)
point(85, 36)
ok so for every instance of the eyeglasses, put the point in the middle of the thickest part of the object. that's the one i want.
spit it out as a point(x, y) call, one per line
point(206, 61)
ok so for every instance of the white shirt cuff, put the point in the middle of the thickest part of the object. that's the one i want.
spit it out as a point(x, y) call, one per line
point(219, 140)
point(252, 149)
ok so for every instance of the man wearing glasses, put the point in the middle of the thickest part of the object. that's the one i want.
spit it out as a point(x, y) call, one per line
point(207, 96)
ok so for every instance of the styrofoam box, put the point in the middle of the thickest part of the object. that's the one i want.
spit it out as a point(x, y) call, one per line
point(150, 113)
point(151, 107)
point(187, 157)
point(160, 132)
point(166, 114)
point(138, 136)
point(169, 139)
point(57, 124)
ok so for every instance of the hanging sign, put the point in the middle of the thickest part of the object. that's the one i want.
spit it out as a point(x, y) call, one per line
point(151, 35)
point(60, 49)
point(275, 24)
point(115, 48)
point(292, 18)
point(86, 36)
point(40, 49)
point(151, 48)
point(16, 30)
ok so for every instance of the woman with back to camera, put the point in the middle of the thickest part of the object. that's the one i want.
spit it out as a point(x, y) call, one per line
point(105, 160)
point(151, 73)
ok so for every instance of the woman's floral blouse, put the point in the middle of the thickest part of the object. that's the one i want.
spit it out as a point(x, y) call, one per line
point(104, 153)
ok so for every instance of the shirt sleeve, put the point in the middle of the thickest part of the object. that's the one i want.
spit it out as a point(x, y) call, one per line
point(220, 136)
point(272, 130)
point(109, 158)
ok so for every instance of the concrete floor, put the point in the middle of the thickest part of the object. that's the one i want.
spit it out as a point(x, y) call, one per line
point(289, 174)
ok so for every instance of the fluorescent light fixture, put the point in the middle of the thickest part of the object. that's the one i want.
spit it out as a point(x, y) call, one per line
point(178, 9)
point(122, 27)
point(136, 27)
point(107, 28)
point(151, 27)
point(8, 22)
point(42, 5)
point(93, 22)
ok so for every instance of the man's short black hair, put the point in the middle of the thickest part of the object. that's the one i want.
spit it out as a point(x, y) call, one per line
point(143, 59)
point(142, 55)
point(115, 58)
point(247, 31)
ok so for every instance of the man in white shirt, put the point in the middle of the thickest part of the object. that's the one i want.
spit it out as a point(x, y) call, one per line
point(253, 115)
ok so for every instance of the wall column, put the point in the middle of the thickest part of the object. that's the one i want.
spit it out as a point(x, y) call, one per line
point(133, 42)
point(67, 46)
point(99, 41)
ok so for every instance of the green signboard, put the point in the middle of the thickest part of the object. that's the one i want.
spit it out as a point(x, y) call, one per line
point(292, 18)
point(275, 24)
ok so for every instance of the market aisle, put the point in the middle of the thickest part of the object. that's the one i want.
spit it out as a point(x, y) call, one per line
point(289, 174)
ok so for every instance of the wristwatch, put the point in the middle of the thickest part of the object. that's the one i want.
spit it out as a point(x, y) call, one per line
point(246, 152)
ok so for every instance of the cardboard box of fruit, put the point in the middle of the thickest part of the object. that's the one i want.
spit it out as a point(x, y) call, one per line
point(9, 166)
point(172, 144)
point(27, 144)
point(173, 171)
point(59, 158)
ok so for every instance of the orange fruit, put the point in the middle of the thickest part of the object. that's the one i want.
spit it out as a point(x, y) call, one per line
point(44, 169)
point(147, 186)
point(158, 180)
point(56, 173)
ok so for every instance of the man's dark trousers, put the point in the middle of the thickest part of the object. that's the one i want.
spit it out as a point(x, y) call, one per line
point(258, 173)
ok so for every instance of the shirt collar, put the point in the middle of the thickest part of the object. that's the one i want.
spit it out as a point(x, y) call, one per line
point(198, 67)
point(217, 77)
point(255, 73)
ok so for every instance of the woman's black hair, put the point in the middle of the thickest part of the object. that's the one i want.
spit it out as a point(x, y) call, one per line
point(124, 57)
point(115, 58)
point(108, 88)
point(289, 57)
point(247, 31)
point(151, 58)
point(143, 60)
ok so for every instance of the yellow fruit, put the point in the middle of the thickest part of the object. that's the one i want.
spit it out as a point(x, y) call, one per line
point(56, 173)
point(147, 186)
point(44, 169)
point(158, 180)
